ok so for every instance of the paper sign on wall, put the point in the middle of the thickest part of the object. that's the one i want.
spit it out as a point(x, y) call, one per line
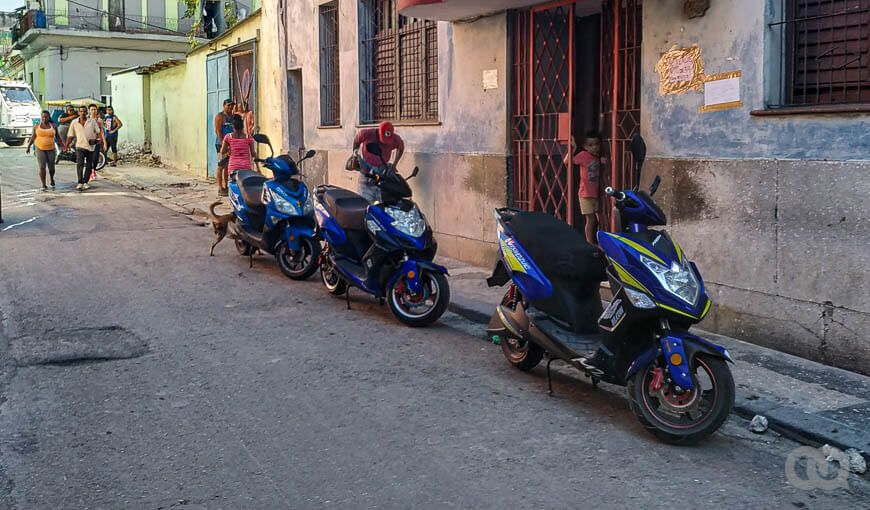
point(490, 79)
point(722, 92)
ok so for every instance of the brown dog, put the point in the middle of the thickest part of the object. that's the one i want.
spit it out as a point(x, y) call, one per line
point(220, 223)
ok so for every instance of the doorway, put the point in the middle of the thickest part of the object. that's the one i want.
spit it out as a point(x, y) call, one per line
point(116, 18)
point(570, 75)
point(217, 77)
point(295, 125)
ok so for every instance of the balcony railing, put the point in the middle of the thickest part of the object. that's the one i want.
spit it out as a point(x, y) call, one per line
point(100, 21)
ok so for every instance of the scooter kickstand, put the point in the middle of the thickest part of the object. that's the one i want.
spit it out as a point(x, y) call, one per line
point(347, 296)
point(549, 377)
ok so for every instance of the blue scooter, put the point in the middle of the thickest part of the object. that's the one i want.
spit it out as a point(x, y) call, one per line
point(384, 249)
point(275, 216)
point(679, 384)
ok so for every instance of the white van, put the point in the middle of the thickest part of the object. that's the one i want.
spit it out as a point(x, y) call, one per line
point(19, 110)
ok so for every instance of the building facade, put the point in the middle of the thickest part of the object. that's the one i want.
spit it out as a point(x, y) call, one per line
point(70, 48)
point(755, 115)
point(170, 105)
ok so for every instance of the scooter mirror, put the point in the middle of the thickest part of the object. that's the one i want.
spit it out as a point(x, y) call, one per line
point(261, 138)
point(310, 154)
point(414, 172)
point(655, 185)
point(638, 151)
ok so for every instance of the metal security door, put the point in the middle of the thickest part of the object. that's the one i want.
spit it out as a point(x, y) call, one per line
point(621, 38)
point(217, 75)
point(551, 97)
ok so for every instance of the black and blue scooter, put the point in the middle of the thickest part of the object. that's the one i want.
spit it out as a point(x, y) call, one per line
point(275, 216)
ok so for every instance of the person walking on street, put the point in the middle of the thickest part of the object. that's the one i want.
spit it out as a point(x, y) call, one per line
point(239, 147)
point(113, 125)
point(43, 137)
point(223, 125)
point(373, 148)
point(86, 133)
point(96, 115)
point(589, 161)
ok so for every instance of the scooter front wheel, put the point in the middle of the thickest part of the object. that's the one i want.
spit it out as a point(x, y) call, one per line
point(683, 416)
point(421, 308)
point(300, 264)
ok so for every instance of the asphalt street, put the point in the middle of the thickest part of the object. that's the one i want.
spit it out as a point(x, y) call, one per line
point(138, 372)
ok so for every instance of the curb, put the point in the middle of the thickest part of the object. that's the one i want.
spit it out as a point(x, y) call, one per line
point(195, 214)
point(805, 428)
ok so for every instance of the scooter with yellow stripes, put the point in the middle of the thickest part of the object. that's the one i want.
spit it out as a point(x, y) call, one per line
point(679, 384)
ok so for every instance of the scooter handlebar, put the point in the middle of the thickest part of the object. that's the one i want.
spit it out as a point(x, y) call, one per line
point(617, 195)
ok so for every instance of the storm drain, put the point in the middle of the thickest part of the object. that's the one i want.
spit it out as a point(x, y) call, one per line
point(71, 346)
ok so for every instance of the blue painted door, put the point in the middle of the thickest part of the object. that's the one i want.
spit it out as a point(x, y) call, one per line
point(217, 75)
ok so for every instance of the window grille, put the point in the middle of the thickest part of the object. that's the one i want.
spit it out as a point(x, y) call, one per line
point(330, 90)
point(825, 49)
point(398, 65)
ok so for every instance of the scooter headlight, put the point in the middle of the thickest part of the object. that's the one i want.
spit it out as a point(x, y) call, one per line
point(679, 280)
point(283, 205)
point(410, 223)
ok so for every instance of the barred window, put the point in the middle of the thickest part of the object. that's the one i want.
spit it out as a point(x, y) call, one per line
point(330, 102)
point(825, 48)
point(398, 65)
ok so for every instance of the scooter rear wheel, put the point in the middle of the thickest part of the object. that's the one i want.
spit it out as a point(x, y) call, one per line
point(244, 249)
point(333, 282)
point(520, 353)
point(684, 417)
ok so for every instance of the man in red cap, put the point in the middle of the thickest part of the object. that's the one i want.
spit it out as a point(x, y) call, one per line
point(374, 149)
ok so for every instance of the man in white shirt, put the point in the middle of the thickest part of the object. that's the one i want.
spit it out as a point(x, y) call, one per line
point(85, 132)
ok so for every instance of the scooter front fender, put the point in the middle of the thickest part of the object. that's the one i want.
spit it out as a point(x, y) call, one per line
point(411, 270)
point(293, 235)
point(679, 346)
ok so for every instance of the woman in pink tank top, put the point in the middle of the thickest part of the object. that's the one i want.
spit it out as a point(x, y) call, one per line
point(239, 147)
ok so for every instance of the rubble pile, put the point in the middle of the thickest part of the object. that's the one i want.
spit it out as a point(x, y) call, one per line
point(136, 155)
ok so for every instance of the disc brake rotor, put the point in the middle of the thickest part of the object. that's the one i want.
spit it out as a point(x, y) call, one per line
point(678, 403)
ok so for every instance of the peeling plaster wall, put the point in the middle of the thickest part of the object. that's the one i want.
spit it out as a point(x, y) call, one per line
point(462, 159)
point(773, 209)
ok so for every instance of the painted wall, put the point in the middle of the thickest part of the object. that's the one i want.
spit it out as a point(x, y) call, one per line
point(131, 99)
point(178, 124)
point(179, 119)
point(462, 159)
point(773, 209)
point(77, 73)
point(732, 37)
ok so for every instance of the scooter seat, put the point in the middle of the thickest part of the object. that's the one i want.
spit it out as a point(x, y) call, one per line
point(559, 250)
point(348, 208)
point(251, 185)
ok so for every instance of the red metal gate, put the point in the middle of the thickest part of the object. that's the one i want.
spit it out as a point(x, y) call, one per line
point(621, 37)
point(542, 102)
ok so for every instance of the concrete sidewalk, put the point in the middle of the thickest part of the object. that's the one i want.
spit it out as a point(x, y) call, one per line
point(807, 401)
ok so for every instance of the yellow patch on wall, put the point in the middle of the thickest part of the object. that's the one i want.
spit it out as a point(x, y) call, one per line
point(680, 70)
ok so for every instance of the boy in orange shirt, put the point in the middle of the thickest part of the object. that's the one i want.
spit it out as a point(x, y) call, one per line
point(589, 161)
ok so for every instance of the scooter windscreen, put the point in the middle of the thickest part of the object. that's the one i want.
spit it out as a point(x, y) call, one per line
point(394, 187)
